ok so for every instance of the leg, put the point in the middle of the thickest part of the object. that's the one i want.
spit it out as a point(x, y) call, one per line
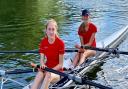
point(38, 80)
point(86, 54)
point(50, 77)
point(76, 59)
point(54, 78)
point(46, 81)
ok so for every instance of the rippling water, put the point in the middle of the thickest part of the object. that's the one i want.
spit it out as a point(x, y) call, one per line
point(22, 23)
point(115, 71)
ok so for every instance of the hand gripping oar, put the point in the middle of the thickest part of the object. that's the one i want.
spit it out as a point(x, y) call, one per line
point(72, 77)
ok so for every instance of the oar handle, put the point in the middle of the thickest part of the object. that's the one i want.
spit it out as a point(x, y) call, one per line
point(49, 70)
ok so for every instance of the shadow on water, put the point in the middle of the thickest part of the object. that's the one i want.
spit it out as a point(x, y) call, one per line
point(91, 75)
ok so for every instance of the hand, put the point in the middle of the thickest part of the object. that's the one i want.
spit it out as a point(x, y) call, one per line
point(77, 46)
point(42, 66)
point(81, 50)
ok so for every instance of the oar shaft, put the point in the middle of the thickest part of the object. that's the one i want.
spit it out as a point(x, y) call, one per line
point(75, 78)
point(19, 71)
point(70, 76)
point(50, 70)
point(110, 50)
point(122, 52)
point(84, 81)
point(78, 79)
point(96, 49)
point(10, 52)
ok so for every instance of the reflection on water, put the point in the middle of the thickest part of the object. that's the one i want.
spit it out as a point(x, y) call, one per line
point(22, 23)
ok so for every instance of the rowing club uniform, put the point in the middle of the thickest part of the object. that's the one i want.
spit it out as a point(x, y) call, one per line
point(52, 51)
point(86, 35)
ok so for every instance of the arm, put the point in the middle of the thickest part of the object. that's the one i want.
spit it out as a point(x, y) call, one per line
point(91, 40)
point(81, 40)
point(42, 59)
point(60, 65)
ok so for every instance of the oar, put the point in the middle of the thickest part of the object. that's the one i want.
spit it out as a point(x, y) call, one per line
point(110, 50)
point(70, 76)
point(16, 71)
point(73, 77)
point(36, 51)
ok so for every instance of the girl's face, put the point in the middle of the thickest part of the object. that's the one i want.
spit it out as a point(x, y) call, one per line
point(51, 30)
point(85, 19)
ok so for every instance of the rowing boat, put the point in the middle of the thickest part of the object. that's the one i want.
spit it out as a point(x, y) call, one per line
point(110, 42)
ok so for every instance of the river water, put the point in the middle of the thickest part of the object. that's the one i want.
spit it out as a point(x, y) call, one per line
point(22, 23)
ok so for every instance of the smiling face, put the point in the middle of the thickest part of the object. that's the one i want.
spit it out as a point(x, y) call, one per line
point(51, 29)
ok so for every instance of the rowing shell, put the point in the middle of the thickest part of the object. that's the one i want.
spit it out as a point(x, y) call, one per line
point(110, 42)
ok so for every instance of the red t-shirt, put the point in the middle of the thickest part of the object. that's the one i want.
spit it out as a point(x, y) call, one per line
point(87, 34)
point(52, 51)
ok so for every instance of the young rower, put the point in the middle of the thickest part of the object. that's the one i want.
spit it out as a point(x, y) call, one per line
point(52, 48)
point(86, 32)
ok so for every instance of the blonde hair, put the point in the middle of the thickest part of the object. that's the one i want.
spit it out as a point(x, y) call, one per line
point(55, 23)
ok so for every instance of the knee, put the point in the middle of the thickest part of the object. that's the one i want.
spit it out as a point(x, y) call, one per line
point(93, 53)
point(85, 53)
point(39, 75)
point(48, 76)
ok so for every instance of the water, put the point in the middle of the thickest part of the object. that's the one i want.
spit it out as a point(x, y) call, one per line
point(115, 71)
point(22, 23)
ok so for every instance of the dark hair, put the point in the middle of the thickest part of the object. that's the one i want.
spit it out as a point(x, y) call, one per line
point(85, 12)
